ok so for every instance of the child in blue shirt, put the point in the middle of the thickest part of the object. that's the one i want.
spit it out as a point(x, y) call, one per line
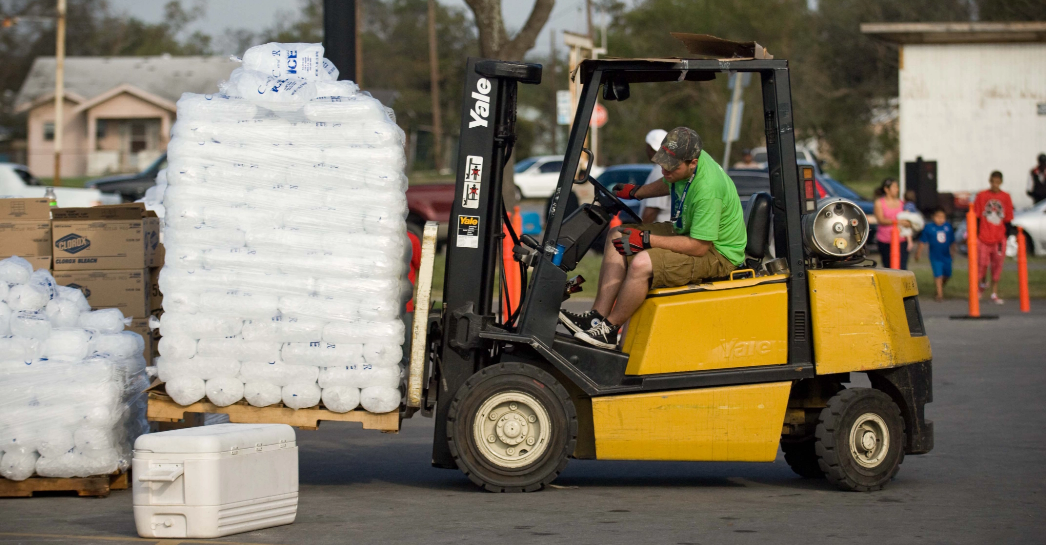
point(939, 236)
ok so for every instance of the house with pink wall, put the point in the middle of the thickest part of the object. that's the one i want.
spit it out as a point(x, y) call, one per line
point(118, 111)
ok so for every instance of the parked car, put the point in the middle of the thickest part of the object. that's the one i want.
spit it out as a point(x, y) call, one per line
point(17, 182)
point(749, 182)
point(626, 174)
point(801, 154)
point(536, 177)
point(131, 187)
point(430, 202)
point(1033, 221)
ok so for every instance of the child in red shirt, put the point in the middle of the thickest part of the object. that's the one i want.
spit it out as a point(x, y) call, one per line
point(994, 209)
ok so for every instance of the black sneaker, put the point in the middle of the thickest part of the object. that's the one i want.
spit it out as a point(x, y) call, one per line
point(580, 322)
point(603, 335)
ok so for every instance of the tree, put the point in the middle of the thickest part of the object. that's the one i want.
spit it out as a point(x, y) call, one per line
point(494, 42)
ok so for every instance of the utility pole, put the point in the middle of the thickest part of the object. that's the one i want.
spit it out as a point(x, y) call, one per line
point(554, 81)
point(59, 91)
point(359, 42)
point(588, 7)
point(437, 114)
point(340, 37)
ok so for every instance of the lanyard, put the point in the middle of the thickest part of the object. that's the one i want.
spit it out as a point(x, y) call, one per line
point(677, 206)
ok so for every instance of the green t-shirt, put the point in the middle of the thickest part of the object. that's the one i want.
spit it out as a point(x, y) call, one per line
point(712, 210)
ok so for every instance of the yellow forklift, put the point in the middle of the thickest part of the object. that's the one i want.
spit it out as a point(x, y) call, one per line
point(726, 370)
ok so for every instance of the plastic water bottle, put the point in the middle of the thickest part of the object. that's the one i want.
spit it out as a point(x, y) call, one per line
point(52, 200)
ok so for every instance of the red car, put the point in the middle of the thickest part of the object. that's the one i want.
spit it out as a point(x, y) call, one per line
point(429, 202)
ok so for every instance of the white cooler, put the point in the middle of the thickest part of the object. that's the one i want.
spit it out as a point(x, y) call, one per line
point(214, 481)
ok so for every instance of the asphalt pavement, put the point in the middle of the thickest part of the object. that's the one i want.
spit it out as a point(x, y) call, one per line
point(984, 482)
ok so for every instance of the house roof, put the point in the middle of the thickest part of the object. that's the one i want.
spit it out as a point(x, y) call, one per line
point(165, 76)
point(131, 90)
point(49, 97)
point(957, 33)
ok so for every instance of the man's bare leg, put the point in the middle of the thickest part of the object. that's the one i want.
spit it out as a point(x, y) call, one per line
point(633, 290)
point(611, 274)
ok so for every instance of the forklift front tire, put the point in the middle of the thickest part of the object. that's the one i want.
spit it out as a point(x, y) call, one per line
point(511, 427)
point(860, 439)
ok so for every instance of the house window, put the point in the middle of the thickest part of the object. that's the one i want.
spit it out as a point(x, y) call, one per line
point(99, 129)
point(49, 131)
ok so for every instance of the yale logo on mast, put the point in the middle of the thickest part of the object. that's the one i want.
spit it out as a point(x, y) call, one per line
point(481, 110)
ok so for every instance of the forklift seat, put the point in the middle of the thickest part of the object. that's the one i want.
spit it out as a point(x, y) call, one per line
point(757, 227)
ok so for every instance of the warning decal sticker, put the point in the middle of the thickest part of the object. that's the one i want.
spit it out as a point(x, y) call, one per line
point(472, 181)
point(468, 232)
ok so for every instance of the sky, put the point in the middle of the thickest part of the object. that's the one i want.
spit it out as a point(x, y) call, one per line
point(256, 15)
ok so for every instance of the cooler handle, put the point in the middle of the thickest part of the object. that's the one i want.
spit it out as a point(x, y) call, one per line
point(163, 475)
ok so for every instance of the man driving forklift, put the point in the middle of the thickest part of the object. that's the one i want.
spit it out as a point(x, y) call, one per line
point(705, 239)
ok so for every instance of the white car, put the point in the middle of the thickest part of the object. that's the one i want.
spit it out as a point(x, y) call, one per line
point(801, 154)
point(536, 177)
point(17, 182)
point(1033, 221)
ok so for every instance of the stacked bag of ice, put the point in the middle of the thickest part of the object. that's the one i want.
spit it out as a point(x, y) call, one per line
point(72, 381)
point(286, 242)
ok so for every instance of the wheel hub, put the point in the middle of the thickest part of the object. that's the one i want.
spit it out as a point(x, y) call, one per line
point(869, 440)
point(511, 429)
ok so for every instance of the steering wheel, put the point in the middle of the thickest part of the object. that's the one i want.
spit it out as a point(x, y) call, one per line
point(615, 203)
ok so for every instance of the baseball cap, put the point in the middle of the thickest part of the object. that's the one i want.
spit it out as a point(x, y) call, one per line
point(680, 145)
point(655, 137)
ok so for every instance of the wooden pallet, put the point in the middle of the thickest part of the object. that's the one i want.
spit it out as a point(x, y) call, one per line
point(98, 486)
point(163, 409)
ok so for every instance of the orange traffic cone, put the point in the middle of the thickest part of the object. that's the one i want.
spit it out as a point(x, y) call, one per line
point(1022, 271)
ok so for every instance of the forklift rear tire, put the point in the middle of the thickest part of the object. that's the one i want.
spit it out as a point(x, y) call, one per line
point(860, 439)
point(511, 427)
point(801, 456)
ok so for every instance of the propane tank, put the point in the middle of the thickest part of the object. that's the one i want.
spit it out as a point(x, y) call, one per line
point(837, 229)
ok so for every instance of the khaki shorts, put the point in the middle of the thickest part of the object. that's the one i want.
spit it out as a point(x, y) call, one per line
point(673, 269)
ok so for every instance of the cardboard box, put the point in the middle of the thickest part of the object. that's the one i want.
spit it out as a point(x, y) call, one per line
point(155, 296)
point(126, 290)
point(25, 230)
point(118, 237)
point(141, 327)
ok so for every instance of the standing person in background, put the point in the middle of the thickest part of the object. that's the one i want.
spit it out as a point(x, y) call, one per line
point(887, 206)
point(1037, 181)
point(656, 209)
point(938, 236)
point(746, 162)
point(994, 211)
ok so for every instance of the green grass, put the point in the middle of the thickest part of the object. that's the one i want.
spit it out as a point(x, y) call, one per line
point(958, 288)
point(76, 181)
point(864, 188)
point(422, 177)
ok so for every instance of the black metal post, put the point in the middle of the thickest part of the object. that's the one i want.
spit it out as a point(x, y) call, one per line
point(339, 36)
point(788, 215)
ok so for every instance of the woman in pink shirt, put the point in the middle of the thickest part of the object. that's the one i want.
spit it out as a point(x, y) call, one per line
point(887, 206)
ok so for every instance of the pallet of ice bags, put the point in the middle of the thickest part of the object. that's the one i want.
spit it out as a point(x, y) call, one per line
point(72, 381)
point(285, 231)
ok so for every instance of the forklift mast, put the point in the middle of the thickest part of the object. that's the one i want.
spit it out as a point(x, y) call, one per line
point(488, 132)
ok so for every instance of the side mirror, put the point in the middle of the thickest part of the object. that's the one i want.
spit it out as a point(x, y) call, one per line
point(616, 90)
point(583, 170)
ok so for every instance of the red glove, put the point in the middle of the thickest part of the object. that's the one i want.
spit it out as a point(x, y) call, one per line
point(632, 242)
point(625, 191)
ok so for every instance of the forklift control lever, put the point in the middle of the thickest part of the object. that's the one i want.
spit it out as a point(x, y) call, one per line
point(526, 251)
point(573, 286)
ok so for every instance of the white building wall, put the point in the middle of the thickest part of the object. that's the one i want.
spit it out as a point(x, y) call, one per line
point(974, 108)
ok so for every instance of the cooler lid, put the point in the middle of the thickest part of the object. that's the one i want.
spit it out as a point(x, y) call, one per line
point(215, 439)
